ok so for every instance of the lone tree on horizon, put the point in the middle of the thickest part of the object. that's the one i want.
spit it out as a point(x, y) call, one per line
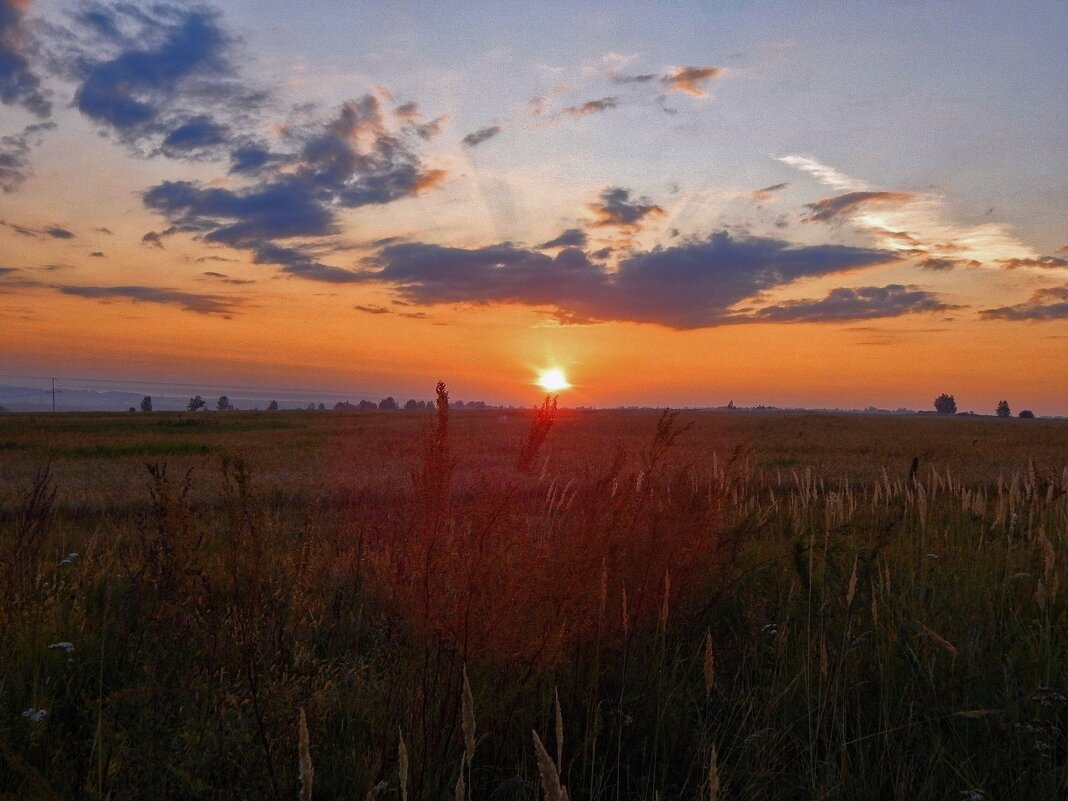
point(1003, 409)
point(146, 403)
point(1027, 414)
point(272, 406)
point(945, 404)
point(224, 404)
point(196, 402)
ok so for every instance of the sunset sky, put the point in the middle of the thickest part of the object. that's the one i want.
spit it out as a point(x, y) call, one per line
point(817, 204)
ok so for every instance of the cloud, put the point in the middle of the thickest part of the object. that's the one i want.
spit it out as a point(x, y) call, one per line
point(861, 303)
point(945, 264)
point(615, 208)
point(625, 79)
point(824, 174)
point(98, 254)
point(591, 107)
point(692, 285)
point(8, 270)
point(15, 153)
point(19, 84)
point(1045, 304)
point(690, 79)
point(372, 309)
point(571, 238)
point(201, 304)
point(476, 138)
point(767, 194)
point(225, 279)
point(351, 160)
point(160, 78)
point(909, 223)
point(56, 232)
point(1045, 262)
point(846, 205)
point(103, 230)
point(153, 239)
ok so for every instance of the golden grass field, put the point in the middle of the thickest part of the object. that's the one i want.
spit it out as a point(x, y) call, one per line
point(754, 605)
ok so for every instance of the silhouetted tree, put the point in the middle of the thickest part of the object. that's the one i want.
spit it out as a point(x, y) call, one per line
point(1027, 414)
point(342, 406)
point(146, 403)
point(411, 405)
point(133, 409)
point(322, 407)
point(223, 404)
point(388, 403)
point(1003, 409)
point(945, 404)
point(366, 405)
point(196, 402)
point(272, 406)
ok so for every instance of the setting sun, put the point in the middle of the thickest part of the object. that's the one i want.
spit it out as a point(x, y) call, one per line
point(553, 380)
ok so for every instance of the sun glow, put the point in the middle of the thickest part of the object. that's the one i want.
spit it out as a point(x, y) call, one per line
point(553, 380)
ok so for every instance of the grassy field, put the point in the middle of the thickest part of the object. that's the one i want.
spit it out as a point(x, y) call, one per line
point(388, 604)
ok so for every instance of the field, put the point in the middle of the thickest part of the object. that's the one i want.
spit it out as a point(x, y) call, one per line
point(387, 604)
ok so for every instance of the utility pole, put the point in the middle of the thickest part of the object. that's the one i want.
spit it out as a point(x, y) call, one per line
point(53, 394)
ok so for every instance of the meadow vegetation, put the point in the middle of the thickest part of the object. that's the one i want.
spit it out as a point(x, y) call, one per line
point(550, 603)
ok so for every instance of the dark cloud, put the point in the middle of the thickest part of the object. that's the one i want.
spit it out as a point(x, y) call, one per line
point(103, 230)
point(591, 107)
point(944, 264)
point(8, 270)
point(861, 303)
point(372, 309)
point(571, 238)
point(56, 232)
point(615, 208)
point(19, 85)
point(202, 259)
point(226, 279)
point(161, 78)
point(690, 79)
point(349, 161)
point(767, 193)
point(201, 304)
point(1047, 262)
point(98, 254)
point(1044, 304)
point(15, 153)
point(625, 79)
point(691, 285)
point(22, 230)
point(481, 135)
point(153, 239)
point(844, 205)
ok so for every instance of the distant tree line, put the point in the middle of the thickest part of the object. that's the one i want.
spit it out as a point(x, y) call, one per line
point(946, 404)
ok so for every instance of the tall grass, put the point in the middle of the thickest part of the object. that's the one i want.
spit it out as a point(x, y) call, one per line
point(667, 627)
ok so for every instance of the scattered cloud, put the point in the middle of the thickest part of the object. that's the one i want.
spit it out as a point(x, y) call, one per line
point(591, 107)
point(103, 230)
point(767, 194)
point(19, 84)
point(58, 232)
point(160, 78)
point(861, 303)
point(372, 309)
point(945, 264)
point(692, 285)
point(845, 206)
point(690, 79)
point(8, 270)
point(625, 79)
point(353, 159)
point(1044, 304)
point(615, 208)
point(15, 150)
point(188, 301)
point(226, 279)
point(153, 239)
point(97, 254)
point(1045, 262)
point(476, 138)
point(571, 238)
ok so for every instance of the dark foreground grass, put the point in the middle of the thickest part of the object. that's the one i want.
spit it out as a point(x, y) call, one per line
point(826, 633)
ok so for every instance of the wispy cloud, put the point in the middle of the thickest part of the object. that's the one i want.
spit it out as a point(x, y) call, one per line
point(861, 303)
point(1044, 305)
point(690, 80)
point(615, 208)
point(571, 238)
point(476, 138)
point(591, 107)
point(15, 153)
point(188, 301)
point(825, 174)
point(768, 193)
point(847, 205)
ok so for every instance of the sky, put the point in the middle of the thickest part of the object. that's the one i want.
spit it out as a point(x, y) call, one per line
point(793, 204)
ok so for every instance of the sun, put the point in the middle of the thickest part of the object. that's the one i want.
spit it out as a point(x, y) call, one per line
point(553, 380)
